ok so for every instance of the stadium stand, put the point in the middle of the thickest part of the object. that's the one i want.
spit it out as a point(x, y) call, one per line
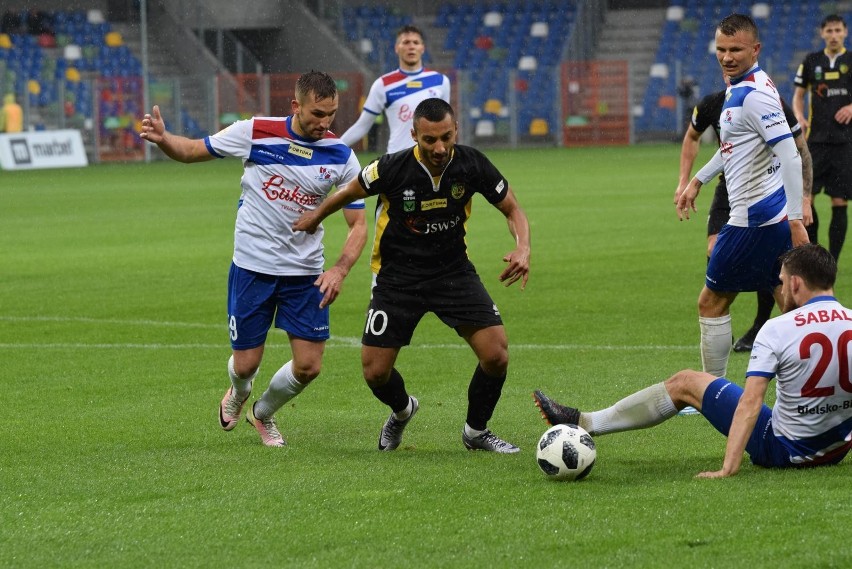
point(74, 65)
point(788, 30)
point(490, 40)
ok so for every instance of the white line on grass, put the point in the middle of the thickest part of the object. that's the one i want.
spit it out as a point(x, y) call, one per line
point(334, 342)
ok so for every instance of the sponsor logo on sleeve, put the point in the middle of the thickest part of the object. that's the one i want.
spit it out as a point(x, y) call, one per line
point(500, 187)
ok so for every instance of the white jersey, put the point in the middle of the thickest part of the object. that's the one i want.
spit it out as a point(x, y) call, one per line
point(752, 122)
point(397, 94)
point(808, 351)
point(284, 175)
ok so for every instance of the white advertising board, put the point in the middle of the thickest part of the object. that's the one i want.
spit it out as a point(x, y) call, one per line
point(42, 149)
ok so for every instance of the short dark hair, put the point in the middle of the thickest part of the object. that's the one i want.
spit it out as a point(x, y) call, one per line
point(813, 264)
point(734, 23)
point(433, 110)
point(410, 29)
point(831, 19)
point(316, 82)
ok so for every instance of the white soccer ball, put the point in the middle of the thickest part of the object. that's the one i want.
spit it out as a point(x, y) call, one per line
point(566, 452)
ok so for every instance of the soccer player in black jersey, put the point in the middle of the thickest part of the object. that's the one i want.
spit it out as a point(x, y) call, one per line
point(827, 75)
point(706, 114)
point(421, 265)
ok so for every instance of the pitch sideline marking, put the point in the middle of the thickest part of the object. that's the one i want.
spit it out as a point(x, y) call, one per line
point(334, 342)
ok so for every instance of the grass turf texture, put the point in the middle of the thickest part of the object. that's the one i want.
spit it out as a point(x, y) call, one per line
point(114, 346)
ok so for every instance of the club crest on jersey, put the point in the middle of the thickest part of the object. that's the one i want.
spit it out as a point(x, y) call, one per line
point(844, 69)
point(408, 200)
point(457, 190)
point(300, 151)
point(324, 174)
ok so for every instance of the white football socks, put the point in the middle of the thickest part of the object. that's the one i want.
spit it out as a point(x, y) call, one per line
point(282, 388)
point(646, 408)
point(405, 413)
point(242, 387)
point(470, 432)
point(715, 344)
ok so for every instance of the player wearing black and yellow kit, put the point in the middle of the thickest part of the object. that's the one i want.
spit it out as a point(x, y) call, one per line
point(706, 114)
point(421, 265)
point(827, 75)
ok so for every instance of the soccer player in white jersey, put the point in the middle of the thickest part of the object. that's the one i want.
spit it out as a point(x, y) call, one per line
point(806, 351)
point(763, 170)
point(290, 165)
point(399, 92)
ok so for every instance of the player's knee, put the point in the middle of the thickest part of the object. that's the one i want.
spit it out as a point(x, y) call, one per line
point(688, 386)
point(245, 368)
point(306, 372)
point(375, 376)
point(495, 363)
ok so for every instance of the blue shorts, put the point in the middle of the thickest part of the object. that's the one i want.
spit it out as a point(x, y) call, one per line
point(746, 258)
point(254, 299)
point(764, 449)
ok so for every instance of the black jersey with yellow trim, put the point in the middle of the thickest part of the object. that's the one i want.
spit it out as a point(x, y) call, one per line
point(420, 220)
point(830, 82)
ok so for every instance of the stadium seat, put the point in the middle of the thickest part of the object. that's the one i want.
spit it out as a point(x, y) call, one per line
point(114, 39)
point(539, 30)
point(72, 52)
point(95, 17)
point(493, 106)
point(484, 128)
point(492, 19)
point(538, 127)
point(527, 63)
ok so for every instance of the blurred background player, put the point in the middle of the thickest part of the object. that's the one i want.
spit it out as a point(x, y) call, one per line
point(811, 421)
point(11, 115)
point(706, 114)
point(290, 165)
point(827, 75)
point(763, 174)
point(397, 94)
point(421, 265)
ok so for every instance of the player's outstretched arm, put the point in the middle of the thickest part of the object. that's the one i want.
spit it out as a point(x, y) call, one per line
point(799, 107)
point(688, 152)
point(742, 426)
point(309, 221)
point(359, 129)
point(331, 281)
point(807, 180)
point(175, 147)
point(518, 267)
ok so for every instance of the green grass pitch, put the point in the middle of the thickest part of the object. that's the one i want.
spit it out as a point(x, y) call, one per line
point(114, 342)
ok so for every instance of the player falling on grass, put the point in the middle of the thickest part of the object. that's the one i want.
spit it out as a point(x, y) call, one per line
point(827, 74)
point(706, 114)
point(763, 172)
point(806, 350)
point(290, 165)
point(421, 265)
point(399, 92)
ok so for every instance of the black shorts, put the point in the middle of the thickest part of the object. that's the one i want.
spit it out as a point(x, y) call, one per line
point(720, 209)
point(458, 299)
point(832, 169)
